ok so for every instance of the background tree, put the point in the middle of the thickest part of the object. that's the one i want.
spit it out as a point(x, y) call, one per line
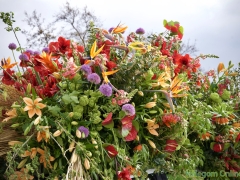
point(40, 33)
point(187, 48)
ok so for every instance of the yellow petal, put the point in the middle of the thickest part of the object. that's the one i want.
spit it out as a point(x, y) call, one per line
point(93, 49)
point(28, 101)
point(98, 51)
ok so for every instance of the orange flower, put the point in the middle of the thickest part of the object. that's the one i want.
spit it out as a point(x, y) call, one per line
point(119, 29)
point(33, 107)
point(138, 148)
point(21, 175)
point(31, 153)
point(46, 60)
point(43, 134)
point(161, 81)
point(170, 119)
point(221, 67)
point(93, 52)
point(152, 126)
point(6, 64)
point(205, 136)
point(45, 158)
point(11, 114)
point(105, 74)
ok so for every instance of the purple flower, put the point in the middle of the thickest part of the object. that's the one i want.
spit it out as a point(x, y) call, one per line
point(84, 131)
point(12, 46)
point(86, 69)
point(94, 78)
point(46, 50)
point(36, 53)
point(128, 109)
point(23, 57)
point(140, 31)
point(106, 90)
point(29, 51)
point(110, 30)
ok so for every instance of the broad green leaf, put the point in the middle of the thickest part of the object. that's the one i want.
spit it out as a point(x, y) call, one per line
point(55, 110)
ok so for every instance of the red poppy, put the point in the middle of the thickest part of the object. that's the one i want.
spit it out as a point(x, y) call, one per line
point(125, 174)
point(112, 152)
point(107, 120)
point(171, 145)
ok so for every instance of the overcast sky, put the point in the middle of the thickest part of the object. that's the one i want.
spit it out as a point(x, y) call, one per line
point(214, 24)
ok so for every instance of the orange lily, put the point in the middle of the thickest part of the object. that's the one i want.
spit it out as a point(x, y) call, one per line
point(31, 153)
point(105, 74)
point(46, 60)
point(6, 64)
point(45, 158)
point(161, 81)
point(33, 107)
point(11, 114)
point(93, 52)
point(20, 175)
point(43, 134)
point(221, 67)
point(119, 29)
point(152, 126)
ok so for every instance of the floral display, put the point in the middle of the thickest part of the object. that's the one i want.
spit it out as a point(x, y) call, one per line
point(125, 104)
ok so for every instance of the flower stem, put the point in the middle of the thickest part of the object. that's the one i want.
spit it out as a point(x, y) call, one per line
point(15, 60)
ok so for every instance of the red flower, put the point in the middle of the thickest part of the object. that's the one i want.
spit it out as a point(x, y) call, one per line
point(129, 132)
point(124, 174)
point(112, 152)
point(62, 45)
point(131, 135)
point(8, 77)
point(237, 138)
point(174, 27)
point(127, 122)
point(218, 147)
point(171, 145)
point(170, 119)
point(111, 65)
point(107, 120)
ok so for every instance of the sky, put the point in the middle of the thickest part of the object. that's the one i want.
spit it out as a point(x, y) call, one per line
point(213, 24)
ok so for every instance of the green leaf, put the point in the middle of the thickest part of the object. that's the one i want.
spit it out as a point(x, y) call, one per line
point(164, 22)
point(55, 110)
point(59, 140)
point(181, 29)
point(66, 99)
point(125, 132)
point(111, 125)
point(136, 125)
point(74, 99)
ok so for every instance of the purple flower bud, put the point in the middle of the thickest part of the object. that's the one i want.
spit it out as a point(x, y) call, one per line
point(46, 50)
point(140, 31)
point(94, 78)
point(23, 57)
point(86, 69)
point(29, 51)
point(128, 109)
point(12, 46)
point(106, 90)
point(84, 131)
point(36, 53)
point(110, 30)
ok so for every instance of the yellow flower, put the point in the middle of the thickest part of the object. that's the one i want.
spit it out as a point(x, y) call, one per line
point(6, 64)
point(93, 52)
point(105, 74)
point(152, 127)
point(11, 114)
point(33, 107)
point(119, 29)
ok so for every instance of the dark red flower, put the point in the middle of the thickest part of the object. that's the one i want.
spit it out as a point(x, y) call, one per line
point(171, 145)
point(64, 45)
point(110, 65)
point(112, 152)
point(217, 147)
point(237, 138)
point(107, 120)
point(8, 77)
point(53, 47)
point(125, 174)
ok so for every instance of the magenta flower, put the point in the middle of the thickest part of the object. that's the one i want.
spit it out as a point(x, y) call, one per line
point(140, 31)
point(106, 90)
point(12, 46)
point(84, 131)
point(30, 52)
point(94, 78)
point(128, 109)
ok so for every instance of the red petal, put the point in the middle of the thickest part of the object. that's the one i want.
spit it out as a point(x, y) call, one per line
point(112, 152)
point(132, 134)
point(107, 120)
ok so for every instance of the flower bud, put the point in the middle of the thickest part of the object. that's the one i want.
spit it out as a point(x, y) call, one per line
point(22, 163)
point(37, 120)
point(95, 142)
point(140, 93)
point(12, 143)
point(152, 144)
point(150, 105)
point(74, 157)
point(57, 133)
point(220, 67)
point(89, 154)
point(86, 164)
point(71, 146)
point(56, 75)
point(155, 97)
point(29, 88)
point(78, 133)
point(74, 123)
point(71, 114)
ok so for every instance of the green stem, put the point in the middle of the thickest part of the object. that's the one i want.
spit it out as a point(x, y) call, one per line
point(17, 39)
point(15, 60)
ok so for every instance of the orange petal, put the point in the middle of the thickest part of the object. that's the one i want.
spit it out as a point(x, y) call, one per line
point(40, 105)
point(37, 100)
point(27, 108)
point(153, 132)
point(38, 112)
point(31, 113)
point(28, 101)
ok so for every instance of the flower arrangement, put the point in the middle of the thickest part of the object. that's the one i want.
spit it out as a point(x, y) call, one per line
point(123, 105)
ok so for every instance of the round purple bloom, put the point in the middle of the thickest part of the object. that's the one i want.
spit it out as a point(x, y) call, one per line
point(128, 109)
point(29, 51)
point(46, 50)
point(12, 46)
point(94, 78)
point(36, 53)
point(86, 69)
point(23, 57)
point(106, 90)
point(84, 131)
point(110, 30)
point(140, 31)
